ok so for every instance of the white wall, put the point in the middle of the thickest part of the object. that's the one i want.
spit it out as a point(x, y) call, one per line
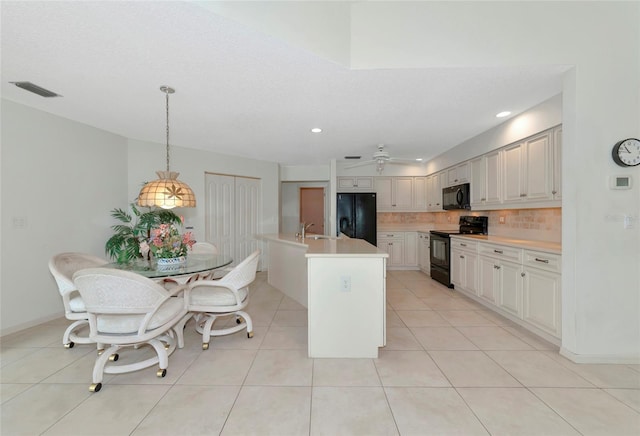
point(601, 105)
point(60, 179)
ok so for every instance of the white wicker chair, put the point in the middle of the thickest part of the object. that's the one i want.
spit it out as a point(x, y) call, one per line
point(207, 300)
point(62, 267)
point(126, 309)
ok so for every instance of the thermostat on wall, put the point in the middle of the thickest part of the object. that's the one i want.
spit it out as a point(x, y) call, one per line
point(620, 182)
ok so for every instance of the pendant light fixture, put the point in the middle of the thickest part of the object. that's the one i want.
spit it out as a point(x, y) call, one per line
point(167, 191)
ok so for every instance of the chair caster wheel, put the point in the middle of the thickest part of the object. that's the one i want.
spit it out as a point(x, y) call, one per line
point(167, 346)
point(161, 373)
point(95, 387)
point(114, 357)
point(239, 320)
point(69, 345)
point(100, 351)
point(249, 335)
point(205, 346)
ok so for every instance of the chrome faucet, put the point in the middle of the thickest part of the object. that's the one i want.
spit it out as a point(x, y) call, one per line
point(304, 227)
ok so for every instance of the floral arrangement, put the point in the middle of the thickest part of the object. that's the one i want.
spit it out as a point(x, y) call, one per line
point(166, 242)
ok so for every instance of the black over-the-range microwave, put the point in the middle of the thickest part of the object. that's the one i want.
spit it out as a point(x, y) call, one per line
point(456, 197)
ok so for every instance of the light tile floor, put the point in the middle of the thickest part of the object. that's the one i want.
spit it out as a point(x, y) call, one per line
point(450, 367)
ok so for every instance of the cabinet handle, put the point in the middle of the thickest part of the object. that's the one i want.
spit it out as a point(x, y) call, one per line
point(522, 274)
point(498, 251)
point(523, 195)
point(461, 257)
point(554, 192)
point(542, 260)
point(463, 245)
point(497, 266)
point(390, 236)
point(483, 199)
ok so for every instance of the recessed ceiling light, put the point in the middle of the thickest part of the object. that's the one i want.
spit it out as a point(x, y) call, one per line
point(316, 130)
point(503, 114)
point(419, 159)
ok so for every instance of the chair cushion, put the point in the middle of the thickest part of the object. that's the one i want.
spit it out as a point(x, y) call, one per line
point(77, 305)
point(128, 324)
point(215, 296)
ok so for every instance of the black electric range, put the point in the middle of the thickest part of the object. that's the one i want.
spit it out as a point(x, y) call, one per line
point(440, 247)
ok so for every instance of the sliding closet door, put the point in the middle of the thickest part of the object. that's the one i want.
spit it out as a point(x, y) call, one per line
point(220, 218)
point(246, 214)
point(232, 218)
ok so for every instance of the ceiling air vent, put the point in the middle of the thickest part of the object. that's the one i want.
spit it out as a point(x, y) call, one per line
point(28, 86)
point(352, 157)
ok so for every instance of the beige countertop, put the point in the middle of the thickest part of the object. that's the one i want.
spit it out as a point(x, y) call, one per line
point(548, 247)
point(329, 247)
point(417, 227)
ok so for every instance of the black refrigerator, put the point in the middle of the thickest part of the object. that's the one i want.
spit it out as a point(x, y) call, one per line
point(357, 215)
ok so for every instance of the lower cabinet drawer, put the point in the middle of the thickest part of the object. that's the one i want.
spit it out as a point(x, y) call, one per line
point(546, 261)
point(501, 252)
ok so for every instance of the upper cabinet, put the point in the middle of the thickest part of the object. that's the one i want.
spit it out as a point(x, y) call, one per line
point(400, 194)
point(355, 184)
point(528, 170)
point(486, 177)
point(435, 183)
point(458, 174)
point(523, 174)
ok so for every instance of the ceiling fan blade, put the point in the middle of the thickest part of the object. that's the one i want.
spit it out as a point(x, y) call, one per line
point(360, 164)
point(402, 161)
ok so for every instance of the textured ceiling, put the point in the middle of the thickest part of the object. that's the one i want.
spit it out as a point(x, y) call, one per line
point(240, 92)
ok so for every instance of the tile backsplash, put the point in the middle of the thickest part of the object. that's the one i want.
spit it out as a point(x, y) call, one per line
point(535, 224)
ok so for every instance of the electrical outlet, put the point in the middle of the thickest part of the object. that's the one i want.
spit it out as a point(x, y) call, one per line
point(345, 283)
point(501, 220)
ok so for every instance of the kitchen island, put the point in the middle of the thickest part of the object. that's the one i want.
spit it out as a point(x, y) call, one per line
point(341, 281)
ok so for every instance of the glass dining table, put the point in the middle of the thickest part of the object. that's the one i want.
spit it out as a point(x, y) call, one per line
point(196, 263)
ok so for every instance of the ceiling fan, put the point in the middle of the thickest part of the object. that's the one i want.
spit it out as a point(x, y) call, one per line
point(380, 158)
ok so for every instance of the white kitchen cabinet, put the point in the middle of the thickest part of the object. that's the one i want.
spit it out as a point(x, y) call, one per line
point(464, 265)
point(394, 193)
point(478, 182)
point(510, 287)
point(513, 187)
point(355, 184)
point(411, 249)
point(393, 244)
point(403, 249)
point(420, 194)
point(493, 171)
point(424, 254)
point(528, 170)
point(500, 277)
point(557, 163)
point(500, 283)
point(458, 174)
point(542, 291)
point(435, 183)
point(487, 279)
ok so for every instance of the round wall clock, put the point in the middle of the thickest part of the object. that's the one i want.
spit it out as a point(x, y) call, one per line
point(626, 153)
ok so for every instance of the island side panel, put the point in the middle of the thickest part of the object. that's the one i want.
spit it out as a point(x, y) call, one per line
point(288, 270)
point(346, 323)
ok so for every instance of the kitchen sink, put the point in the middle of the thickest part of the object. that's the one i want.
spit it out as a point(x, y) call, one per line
point(321, 237)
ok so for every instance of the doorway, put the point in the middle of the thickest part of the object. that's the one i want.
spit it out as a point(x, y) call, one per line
point(312, 208)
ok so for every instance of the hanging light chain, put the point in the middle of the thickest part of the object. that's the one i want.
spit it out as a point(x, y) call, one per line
point(167, 90)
